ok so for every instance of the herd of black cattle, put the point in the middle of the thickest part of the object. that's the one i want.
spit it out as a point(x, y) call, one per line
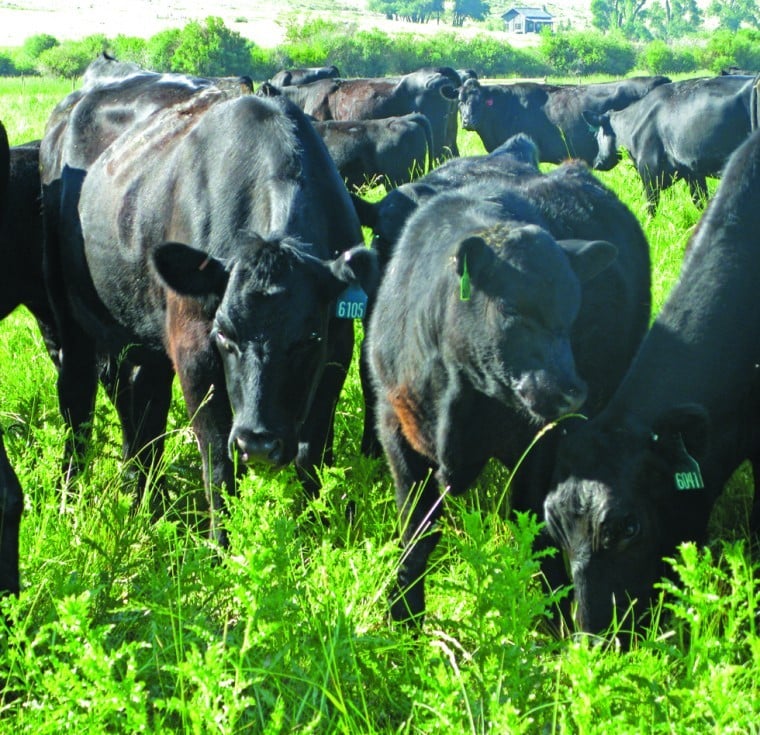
point(168, 225)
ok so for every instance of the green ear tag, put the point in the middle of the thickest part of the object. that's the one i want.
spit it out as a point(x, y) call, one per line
point(464, 283)
point(687, 476)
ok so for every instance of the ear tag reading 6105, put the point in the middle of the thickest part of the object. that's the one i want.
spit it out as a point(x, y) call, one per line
point(352, 303)
point(687, 476)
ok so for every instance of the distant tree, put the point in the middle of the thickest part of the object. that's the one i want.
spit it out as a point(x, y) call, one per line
point(674, 18)
point(627, 16)
point(211, 49)
point(68, 59)
point(26, 57)
point(475, 9)
point(732, 14)
point(415, 11)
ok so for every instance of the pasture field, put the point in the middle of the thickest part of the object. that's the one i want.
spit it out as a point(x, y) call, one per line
point(130, 624)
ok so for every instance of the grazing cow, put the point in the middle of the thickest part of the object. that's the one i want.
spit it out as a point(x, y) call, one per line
point(470, 336)
point(396, 149)
point(191, 253)
point(552, 115)
point(79, 129)
point(290, 77)
point(11, 495)
point(683, 130)
point(642, 477)
point(431, 91)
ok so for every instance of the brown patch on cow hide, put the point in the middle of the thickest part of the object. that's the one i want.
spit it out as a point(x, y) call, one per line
point(187, 330)
point(411, 419)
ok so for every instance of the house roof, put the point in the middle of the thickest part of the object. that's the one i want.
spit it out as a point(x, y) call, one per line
point(531, 13)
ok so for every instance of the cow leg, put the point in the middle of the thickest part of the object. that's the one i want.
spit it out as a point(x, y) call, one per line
point(11, 505)
point(201, 378)
point(315, 446)
point(77, 387)
point(651, 189)
point(370, 446)
point(141, 395)
point(419, 506)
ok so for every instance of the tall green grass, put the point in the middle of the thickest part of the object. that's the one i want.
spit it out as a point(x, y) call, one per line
point(126, 625)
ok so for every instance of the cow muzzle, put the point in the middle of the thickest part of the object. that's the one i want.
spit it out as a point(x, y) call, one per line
point(549, 403)
point(251, 447)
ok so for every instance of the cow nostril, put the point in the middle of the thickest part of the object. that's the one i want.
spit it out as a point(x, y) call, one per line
point(252, 447)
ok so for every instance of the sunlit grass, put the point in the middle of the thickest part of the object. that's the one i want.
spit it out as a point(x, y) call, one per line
point(127, 624)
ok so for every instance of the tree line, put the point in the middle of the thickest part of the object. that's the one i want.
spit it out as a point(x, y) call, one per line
point(209, 48)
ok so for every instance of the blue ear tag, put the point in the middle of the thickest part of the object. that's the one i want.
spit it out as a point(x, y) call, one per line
point(687, 475)
point(352, 303)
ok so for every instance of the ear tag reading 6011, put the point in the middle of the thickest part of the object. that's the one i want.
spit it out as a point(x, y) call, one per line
point(352, 303)
point(687, 476)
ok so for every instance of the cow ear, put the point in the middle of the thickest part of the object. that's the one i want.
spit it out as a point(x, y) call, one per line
point(588, 257)
point(188, 271)
point(593, 119)
point(472, 258)
point(358, 265)
point(679, 438)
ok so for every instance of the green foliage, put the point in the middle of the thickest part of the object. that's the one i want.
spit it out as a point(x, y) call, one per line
point(160, 49)
point(727, 48)
point(583, 53)
point(659, 57)
point(211, 49)
point(128, 624)
point(25, 59)
point(68, 60)
point(416, 11)
point(674, 18)
point(130, 48)
point(463, 9)
point(733, 14)
point(626, 16)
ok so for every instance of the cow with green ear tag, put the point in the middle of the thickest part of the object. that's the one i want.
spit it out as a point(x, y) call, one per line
point(473, 336)
point(643, 476)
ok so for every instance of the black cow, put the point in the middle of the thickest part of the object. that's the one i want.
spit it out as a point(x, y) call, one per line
point(552, 115)
point(290, 77)
point(431, 91)
point(387, 217)
point(683, 130)
point(395, 149)
point(470, 336)
point(79, 129)
point(11, 495)
point(643, 476)
point(189, 252)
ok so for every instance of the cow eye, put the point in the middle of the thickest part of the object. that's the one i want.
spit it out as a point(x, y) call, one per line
point(224, 342)
point(315, 337)
point(629, 529)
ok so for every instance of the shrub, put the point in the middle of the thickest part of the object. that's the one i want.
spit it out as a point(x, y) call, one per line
point(130, 48)
point(160, 49)
point(582, 53)
point(659, 57)
point(211, 49)
point(727, 48)
point(68, 59)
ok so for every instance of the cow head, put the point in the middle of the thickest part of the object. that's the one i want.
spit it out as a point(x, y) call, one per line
point(623, 497)
point(513, 337)
point(270, 307)
point(473, 100)
point(609, 155)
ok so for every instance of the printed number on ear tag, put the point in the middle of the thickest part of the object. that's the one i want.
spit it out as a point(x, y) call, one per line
point(352, 303)
point(687, 476)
